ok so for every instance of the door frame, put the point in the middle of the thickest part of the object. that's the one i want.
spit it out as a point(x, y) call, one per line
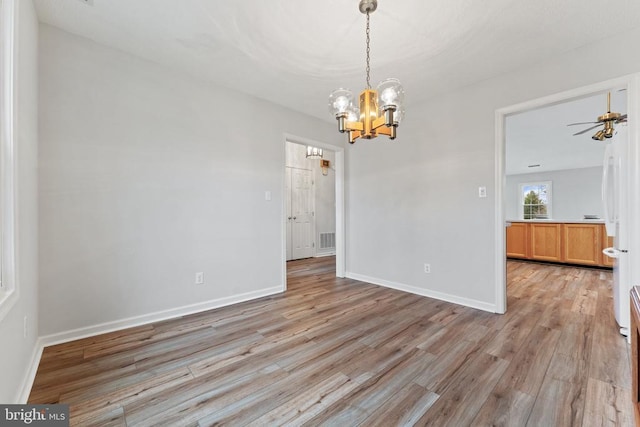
point(632, 83)
point(340, 203)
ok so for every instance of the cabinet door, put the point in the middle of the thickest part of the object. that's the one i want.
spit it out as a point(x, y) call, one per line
point(518, 240)
point(607, 242)
point(582, 244)
point(545, 242)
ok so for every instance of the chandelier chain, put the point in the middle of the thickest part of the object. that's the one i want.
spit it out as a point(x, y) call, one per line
point(368, 54)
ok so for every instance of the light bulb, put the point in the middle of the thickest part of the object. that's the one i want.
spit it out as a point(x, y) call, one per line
point(388, 96)
point(339, 101)
point(390, 92)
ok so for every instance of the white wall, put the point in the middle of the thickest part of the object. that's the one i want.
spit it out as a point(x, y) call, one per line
point(147, 177)
point(18, 352)
point(575, 192)
point(415, 200)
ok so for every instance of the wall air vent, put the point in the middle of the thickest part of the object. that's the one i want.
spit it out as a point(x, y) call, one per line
point(327, 240)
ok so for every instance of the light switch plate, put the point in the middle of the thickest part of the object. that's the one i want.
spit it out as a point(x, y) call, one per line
point(482, 192)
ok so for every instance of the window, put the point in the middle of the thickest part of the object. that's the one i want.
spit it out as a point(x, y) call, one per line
point(535, 200)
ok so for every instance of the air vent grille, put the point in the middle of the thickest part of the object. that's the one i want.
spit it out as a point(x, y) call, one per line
point(327, 240)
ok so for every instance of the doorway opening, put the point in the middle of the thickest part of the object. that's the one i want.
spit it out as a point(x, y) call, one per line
point(503, 212)
point(313, 211)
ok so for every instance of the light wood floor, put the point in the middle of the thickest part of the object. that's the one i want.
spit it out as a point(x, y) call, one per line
point(341, 352)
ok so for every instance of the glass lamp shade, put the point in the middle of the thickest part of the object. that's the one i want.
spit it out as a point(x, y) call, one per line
point(353, 114)
point(314, 152)
point(339, 101)
point(398, 115)
point(390, 92)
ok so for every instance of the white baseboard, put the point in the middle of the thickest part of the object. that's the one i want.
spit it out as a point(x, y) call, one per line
point(467, 302)
point(27, 382)
point(144, 319)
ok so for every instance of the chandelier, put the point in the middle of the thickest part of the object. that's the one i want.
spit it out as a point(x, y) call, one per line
point(379, 111)
point(314, 152)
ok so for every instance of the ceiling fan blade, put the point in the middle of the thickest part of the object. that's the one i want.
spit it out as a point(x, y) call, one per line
point(587, 130)
point(622, 118)
point(581, 123)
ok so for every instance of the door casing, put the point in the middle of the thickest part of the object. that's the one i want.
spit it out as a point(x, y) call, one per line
point(632, 84)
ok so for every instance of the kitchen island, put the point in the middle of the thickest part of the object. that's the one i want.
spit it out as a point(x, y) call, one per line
point(560, 241)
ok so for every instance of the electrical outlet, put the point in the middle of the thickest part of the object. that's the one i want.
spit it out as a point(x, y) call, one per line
point(25, 326)
point(427, 268)
point(200, 278)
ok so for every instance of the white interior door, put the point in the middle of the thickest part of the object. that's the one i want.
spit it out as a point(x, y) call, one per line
point(302, 214)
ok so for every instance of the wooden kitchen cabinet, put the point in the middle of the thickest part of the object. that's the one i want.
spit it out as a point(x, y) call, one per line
point(581, 244)
point(546, 241)
point(572, 243)
point(518, 240)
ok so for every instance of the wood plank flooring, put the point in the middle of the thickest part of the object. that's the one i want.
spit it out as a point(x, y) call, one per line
point(341, 352)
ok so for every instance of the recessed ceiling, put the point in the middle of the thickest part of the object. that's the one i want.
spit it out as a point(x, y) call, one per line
point(295, 52)
point(542, 137)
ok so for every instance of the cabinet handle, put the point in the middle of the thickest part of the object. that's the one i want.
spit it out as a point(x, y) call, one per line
point(294, 217)
point(289, 218)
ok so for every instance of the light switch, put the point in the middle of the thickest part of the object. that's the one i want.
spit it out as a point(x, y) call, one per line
point(482, 192)
point(267, 195)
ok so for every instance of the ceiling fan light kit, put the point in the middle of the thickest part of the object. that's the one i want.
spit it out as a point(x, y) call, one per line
point(609, 119)
point(378, 112)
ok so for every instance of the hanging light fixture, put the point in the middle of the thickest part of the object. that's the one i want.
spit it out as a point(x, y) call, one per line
point(379, 111)
point(314, 152)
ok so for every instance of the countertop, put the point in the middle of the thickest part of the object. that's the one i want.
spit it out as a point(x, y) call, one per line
point(561, 221)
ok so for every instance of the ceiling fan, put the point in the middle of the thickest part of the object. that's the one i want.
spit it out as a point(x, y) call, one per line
point(607, 120)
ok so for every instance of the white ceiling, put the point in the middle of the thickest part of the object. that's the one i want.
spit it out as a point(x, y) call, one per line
point(542, 137)
point(295, 52)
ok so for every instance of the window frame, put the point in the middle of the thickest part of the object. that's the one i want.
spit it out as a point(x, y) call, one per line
point(9, 291)
point(549, 204)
